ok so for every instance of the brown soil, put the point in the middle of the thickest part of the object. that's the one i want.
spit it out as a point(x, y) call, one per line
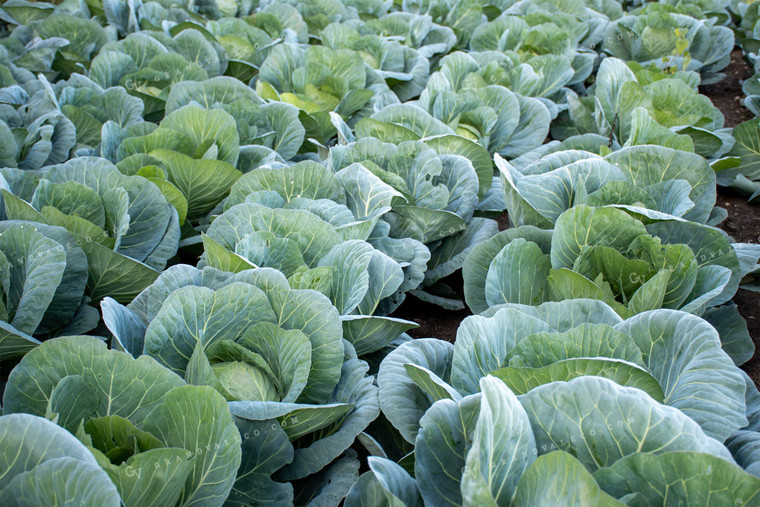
point(743, 224)
point(434, 321)
point(727, 94)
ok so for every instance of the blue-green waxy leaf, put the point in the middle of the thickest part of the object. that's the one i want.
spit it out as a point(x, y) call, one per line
point(478, 261)
point(216, 256)
point(264, 248)
point(136, 214)
point(683, 477)
point(203, 125)
point(138, 478)
point(684, 354)
point(305, 179)
point(482, 167)
point(518, 274)
point(732, 328)
point(198, 314)
point(44, 464)
point(351, 407)
point(584, 226)
point(72, 402)
point(371, 333)
point(112, 274)
point(156, 475)
point(483, 345)
point(357, 389)
point(199, 372)
point(386, 278)
point(331, 485)
point(13, 343)
point(37, 265)
point(313, 236)
point(624, 420)
point(431, 384)
point(648, 165)
point(110, 374)
point(26, 435)
point(72, 198)
point(501, 450)
point(367, 196)
point(402, 400)
point(566, 315)
point(565, 179)
point(351, 279)
point(265, 449)
point(745, 448)
point(204, 183)
point(63, 478)
point(711, 248)
point(126, 327)
point(387, 483)
point(312, 314)
point(583, 341)
point(287, 353)
point(189, 416)
point(558, 477)
point(68, 295)
point(441, 446)
point(522, 379)
point(450, 255)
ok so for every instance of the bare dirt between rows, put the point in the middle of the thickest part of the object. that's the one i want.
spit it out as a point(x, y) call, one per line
point(743, 224)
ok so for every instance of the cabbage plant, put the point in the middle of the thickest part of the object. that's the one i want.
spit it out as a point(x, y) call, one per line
point(155, 440)
point(21, 12)
point(595, 14)
point(605, 254)
point(742, 172)
point(434, 192)
point(671, 40)
point(313, 254)
point(417, 31)
point(55, 464)
point(146, 64)
point(276, 354)
point(317, 80)
point(124, 224)
point(499, 120)
point(192, 156)
point(89, 106)
point(540, 33)
point(531, 346)
point(280, 20)
point(403, 69)
point(28, 56)
point(653, 181)
point(309, 203)
point(269, 130)
point(588, 438)
point(541, 76)
point(575, 353)
point(317, 14)
point(55, 43)
point(461, 16)
point(639, 105)
point(43, 274)
point(33, 129)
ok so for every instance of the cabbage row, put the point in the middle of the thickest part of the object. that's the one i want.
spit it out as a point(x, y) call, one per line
point(211, 210)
